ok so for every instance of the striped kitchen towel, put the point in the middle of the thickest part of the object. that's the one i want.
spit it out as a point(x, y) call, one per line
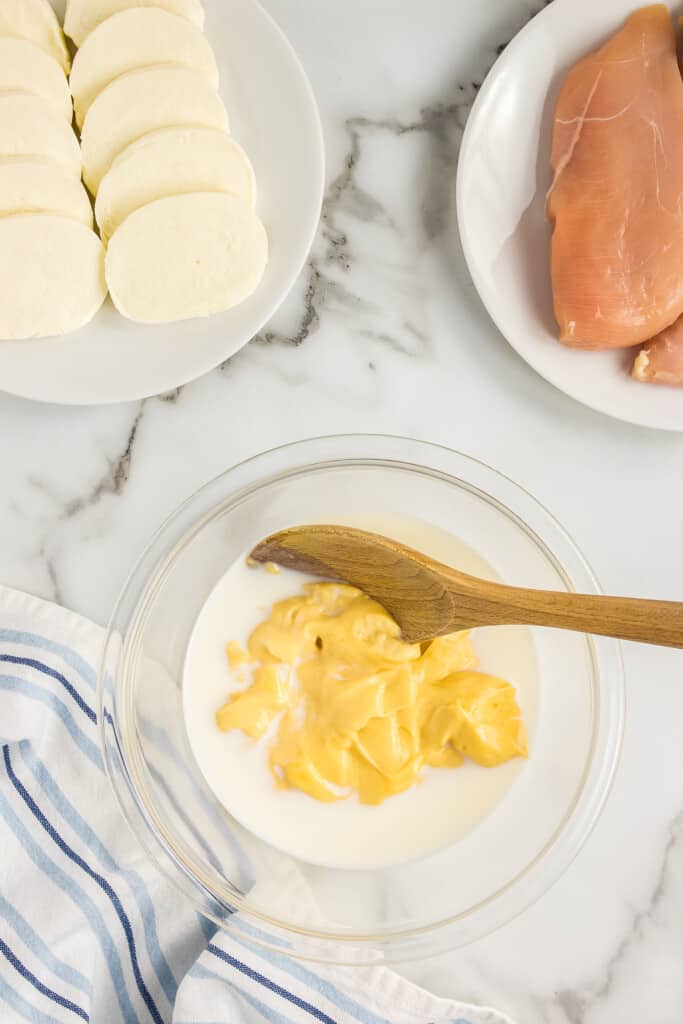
point(89, 929)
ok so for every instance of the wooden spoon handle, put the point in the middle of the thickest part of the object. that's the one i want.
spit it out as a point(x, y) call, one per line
point(627, 618)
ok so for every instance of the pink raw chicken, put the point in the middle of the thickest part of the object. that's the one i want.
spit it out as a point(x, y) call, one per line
point(616, 201)
point(660, 361)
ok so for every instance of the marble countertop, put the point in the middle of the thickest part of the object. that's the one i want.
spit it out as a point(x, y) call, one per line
point(385, 333)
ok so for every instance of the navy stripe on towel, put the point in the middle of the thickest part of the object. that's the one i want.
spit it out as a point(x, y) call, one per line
point(39, 666)
point(37, 984)
point(103, 884)
point(277, 989)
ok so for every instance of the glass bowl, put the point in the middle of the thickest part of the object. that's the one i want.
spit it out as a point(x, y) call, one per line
point(408, 911)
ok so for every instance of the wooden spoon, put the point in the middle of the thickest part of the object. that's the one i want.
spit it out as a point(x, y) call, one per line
point(428, 599)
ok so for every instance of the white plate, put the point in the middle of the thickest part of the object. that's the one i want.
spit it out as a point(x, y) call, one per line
point(502, 180)
point(274, 115)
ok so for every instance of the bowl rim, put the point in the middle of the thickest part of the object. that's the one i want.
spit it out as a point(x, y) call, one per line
point(541, 872)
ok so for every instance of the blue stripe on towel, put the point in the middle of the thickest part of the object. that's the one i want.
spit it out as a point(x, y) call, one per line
point(191, 828)
point(40, 950)
point(102, 882)
point(37, 983)
point(303, 974)
point(67, 654)
point(81, 900)
point(22, 1008)
point(201, 973)
point(162, 741)
point(39, 666)
point(270, 985)
point(93, 843)
point(14, 684)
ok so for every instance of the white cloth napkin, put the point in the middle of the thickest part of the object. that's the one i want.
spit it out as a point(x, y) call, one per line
point(89, 929)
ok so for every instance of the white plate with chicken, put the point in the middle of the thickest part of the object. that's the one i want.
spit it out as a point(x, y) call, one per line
point(570, 205)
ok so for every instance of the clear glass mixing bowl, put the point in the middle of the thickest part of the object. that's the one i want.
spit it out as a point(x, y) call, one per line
point(449, 898)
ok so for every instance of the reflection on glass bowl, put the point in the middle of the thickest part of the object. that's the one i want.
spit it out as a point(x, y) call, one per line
point(405, 911)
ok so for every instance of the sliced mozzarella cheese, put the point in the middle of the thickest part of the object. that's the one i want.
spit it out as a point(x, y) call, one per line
point(187, 256)
point(170, 162)
point(51, 275)
point(141, 102)
point(30, 126)
point(83, 16)
point(36, 185)
point(24, 67)
point(137, 38)
point(37, 21)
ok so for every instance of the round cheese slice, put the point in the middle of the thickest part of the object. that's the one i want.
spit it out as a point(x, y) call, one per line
point(30, 126)
point(24, 67)
point(137, 38)
point(35, 20)
point(187, 256)
point(36, 185)
point(51, 276)
point(83, 16)
point(141, 102)
point(171, 162)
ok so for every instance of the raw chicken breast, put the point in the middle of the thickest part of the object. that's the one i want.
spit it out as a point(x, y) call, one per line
point(660, 361)
point(616, 202)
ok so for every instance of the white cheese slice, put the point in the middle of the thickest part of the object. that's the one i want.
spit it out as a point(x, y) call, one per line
point(37, 21)
point(186, 256)
point(137, 38)
point(83, 16)
point(141, 102)
point(24, 67)
point(30, 126)
point(37, 185)
point(171, 162)
point(51, 275)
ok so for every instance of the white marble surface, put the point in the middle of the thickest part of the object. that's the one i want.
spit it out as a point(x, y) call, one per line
point(386, 334)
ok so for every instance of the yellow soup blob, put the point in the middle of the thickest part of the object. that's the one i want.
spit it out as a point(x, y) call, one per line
point(349, 707)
